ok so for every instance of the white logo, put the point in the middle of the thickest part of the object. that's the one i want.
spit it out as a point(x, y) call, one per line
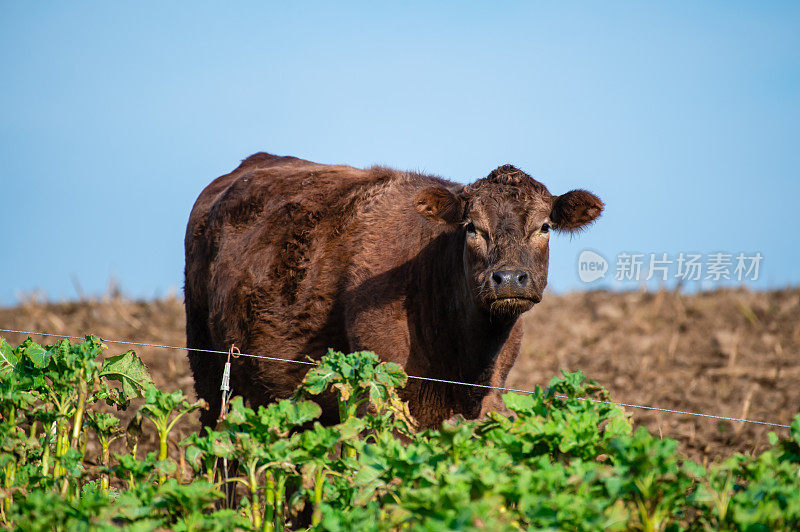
point(591, 266)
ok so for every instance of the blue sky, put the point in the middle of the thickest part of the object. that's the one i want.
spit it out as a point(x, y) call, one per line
point(683, 117)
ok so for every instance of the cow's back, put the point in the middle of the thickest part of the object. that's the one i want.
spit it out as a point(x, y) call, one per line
point(267, 253)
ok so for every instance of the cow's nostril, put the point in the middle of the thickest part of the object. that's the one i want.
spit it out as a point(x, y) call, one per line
point(511, 283)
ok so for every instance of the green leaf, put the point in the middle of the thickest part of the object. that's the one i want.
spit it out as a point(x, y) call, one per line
point(128, 369)
point(8, 357)
point(39, 356)
point(102, 422)
point(772, 437)
point(521, 404)
point(193, 454)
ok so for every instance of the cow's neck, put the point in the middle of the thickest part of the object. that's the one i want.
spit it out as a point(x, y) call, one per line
point(463, 340)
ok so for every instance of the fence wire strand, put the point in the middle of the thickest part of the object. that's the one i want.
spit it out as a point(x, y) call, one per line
point(415, 377)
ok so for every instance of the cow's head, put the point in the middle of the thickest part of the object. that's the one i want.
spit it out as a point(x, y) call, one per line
point(504, 221)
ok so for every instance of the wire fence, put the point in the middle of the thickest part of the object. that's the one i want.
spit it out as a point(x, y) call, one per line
point(415, 377)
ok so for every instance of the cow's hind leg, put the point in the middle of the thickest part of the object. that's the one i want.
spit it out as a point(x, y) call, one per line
point(207, 380)
point(207, 369)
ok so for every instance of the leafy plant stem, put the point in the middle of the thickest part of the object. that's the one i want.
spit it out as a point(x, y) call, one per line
point(163, 447)
point(10, 477)
point(77, 423)
point(104, 454)
point(280, 493)
point(650, 520)
point(46, 454)
point(269, 501)
point(319, 479)
point(255, 506)
point(61, 443)
point(722, 498)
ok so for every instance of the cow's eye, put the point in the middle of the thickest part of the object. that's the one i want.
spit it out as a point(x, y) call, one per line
point(545, 228)
point(471, 231)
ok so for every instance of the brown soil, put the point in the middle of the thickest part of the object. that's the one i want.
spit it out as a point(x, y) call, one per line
point(732, 353)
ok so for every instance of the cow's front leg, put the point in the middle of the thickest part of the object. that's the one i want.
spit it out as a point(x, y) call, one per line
point(492, 402)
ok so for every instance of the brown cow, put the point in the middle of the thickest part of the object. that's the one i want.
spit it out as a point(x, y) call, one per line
point(286, 257)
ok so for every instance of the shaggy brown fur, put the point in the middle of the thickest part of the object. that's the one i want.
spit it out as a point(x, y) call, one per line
point(286, 257)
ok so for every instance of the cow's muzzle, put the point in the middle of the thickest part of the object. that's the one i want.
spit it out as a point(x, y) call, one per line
point(513, 292)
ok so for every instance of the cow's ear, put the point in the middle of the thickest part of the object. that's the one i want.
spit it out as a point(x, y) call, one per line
point(575, 210)
point(439, 205)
